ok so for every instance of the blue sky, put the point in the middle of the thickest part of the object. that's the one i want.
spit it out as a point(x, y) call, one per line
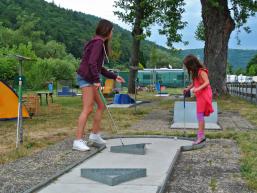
point(104, 9)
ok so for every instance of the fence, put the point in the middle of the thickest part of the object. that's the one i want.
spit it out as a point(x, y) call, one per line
point(246, 91)
point(169, 78)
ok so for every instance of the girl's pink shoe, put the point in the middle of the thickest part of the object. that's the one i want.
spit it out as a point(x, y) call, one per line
point(199, 140)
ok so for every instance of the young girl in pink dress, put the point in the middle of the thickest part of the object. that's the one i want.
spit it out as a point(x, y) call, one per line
point(202, 90)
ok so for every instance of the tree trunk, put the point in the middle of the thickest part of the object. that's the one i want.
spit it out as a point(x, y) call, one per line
point(134, 60)
point(218, 25)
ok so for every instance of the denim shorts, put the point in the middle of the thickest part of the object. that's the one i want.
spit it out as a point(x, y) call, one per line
point(82, 82)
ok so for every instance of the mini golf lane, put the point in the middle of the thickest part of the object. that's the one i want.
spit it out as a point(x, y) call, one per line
point(160, 156)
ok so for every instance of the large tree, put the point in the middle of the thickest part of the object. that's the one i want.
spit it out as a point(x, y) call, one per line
point(220, 18)
point(141, 14)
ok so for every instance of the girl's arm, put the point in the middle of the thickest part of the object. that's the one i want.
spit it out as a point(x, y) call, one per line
point(108, 74)
point(190, 86)
point(205, 79)
point(112, 75)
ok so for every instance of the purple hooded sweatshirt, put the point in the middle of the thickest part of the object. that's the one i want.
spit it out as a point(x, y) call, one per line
point(91, 64)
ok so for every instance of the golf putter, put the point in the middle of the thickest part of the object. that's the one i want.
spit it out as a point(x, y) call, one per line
point(186, 94)
point(109, 113)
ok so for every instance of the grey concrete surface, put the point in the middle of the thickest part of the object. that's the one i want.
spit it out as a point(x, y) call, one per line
point(160, 155)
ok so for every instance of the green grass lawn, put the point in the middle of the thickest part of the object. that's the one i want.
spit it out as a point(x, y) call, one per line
point(51, 126)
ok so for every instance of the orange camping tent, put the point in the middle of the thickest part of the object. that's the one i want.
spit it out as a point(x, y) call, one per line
point(9, 103)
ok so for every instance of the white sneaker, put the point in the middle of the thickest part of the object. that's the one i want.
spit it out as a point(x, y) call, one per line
point(80, 145)
point(96, 138)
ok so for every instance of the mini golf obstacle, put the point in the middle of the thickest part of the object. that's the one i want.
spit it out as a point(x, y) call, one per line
point(123, 101)
point(134, 148)
point(113, 176)
point(185, 116)
point(193, 147)
point(138, 149)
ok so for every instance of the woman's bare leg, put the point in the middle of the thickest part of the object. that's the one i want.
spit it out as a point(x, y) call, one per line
point(88, 103)
point(99, 112)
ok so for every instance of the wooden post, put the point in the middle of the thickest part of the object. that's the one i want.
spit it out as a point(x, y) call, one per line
point(245, 91)
point(235, 89)
point(256, 93)
point(239, 89)
point(251, 92)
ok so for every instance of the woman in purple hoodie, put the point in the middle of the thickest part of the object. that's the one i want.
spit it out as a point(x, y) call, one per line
point(88, 78)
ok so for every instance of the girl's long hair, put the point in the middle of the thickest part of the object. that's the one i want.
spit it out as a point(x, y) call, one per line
point(193, 65)
point(104, 29)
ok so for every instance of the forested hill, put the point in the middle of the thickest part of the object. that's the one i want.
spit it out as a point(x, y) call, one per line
point(238, 58)
point(73, 29)
point(69, 27)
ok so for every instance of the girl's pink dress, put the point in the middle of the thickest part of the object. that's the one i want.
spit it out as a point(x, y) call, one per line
point(204, 96)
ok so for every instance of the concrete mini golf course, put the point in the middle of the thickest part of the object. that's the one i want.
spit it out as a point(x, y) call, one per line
point(158, 161)
point(185, 117)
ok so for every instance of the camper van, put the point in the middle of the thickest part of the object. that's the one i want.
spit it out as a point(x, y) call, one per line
point(232, 78)
point(254, 79)
point(241, 78)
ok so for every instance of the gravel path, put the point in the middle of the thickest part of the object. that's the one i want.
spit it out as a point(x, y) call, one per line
point(156, 120)
point(29, 171)
point(214, 168)
point(233, 120)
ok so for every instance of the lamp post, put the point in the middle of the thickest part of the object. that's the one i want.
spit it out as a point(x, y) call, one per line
point(19, 130)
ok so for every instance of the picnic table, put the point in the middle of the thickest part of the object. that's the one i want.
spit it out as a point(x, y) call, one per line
point(40, 94)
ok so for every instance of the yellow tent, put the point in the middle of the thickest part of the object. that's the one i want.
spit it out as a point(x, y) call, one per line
point(109, 86)
point(9, 103)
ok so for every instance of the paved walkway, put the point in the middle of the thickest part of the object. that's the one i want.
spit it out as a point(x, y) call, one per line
point(157, 160)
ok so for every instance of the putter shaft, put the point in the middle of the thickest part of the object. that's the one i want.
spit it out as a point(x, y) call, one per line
point(110, 115)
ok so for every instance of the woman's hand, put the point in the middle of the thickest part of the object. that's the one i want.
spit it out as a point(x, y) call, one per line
point(120, 79)
point(97, 85)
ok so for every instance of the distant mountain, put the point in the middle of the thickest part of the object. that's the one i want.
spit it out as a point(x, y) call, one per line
point(238, 58)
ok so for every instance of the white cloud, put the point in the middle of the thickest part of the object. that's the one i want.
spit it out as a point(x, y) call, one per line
point(100, 8)
point(104, 9)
